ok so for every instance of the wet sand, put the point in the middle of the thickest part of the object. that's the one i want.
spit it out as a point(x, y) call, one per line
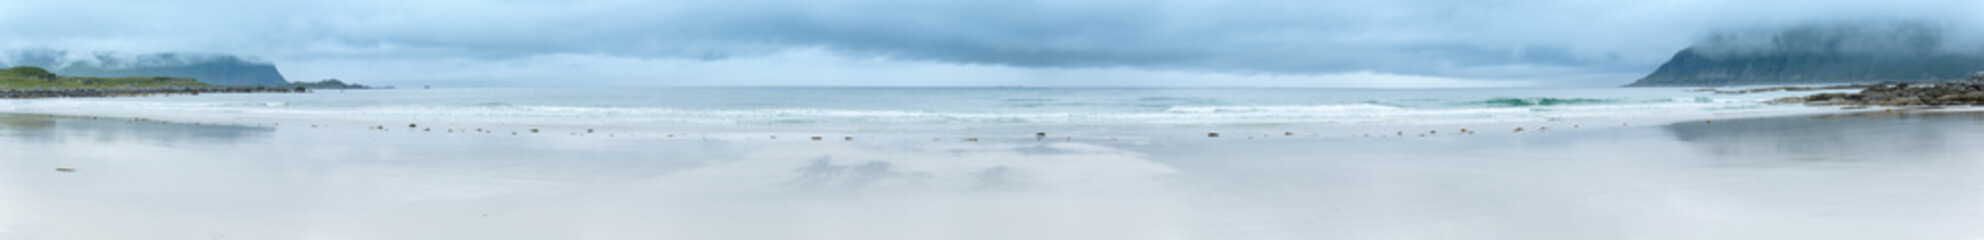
point(1869, 175)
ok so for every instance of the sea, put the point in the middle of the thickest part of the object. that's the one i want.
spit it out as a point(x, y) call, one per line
point(939, 112)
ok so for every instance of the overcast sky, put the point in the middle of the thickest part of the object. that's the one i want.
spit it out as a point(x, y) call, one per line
point(1393, 43)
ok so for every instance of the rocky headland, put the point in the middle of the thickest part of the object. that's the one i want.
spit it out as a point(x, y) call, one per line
point(1819, 54)
point(35, 82)
point(215, 69)
point(1955, 93)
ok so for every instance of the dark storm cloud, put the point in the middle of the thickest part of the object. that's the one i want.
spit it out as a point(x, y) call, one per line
point(1527, 39)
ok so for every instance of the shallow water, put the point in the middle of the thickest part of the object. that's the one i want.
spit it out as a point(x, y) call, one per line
point(1854, 176)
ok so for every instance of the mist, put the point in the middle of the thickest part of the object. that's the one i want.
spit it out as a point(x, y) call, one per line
point(1544, 43)
point(1845, 38)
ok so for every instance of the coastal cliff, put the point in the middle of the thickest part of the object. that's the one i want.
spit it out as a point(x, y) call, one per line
point(1817, 54)
point(34, 82)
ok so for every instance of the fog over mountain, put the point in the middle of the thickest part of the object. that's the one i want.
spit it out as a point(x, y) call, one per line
point(1823, 53)
point(1417, 43)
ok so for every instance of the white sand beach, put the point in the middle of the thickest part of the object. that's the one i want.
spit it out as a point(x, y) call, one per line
point(1846, 176)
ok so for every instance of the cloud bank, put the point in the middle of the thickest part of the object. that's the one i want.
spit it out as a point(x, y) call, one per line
point(967, 42)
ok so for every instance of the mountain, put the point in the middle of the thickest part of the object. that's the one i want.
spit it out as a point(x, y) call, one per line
point(1812, 54)
point(213, 69)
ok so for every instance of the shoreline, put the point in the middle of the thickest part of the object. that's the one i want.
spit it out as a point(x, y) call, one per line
point(1887, 94)
point(1091, 134)
point(135, 92)
point(268, 110)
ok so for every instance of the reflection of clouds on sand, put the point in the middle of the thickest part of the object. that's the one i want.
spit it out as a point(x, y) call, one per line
point(945, 191)
point(1836, 137)
point(999, 178)
point(823, 173)
point(938, 167)
point(51, 129)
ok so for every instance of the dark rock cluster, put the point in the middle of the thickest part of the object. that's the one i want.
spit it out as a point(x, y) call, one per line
point(1902, 94)
point(1786, 89)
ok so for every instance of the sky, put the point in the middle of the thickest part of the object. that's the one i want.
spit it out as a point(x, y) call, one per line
point(1131, 43)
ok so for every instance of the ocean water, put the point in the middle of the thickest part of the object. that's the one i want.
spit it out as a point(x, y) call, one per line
point(942, 111)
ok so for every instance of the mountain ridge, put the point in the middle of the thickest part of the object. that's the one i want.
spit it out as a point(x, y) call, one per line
point(216, 69)
point(1690, 68)
point(1821, 53)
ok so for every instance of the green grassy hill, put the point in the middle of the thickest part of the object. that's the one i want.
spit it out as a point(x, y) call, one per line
point(28, 77)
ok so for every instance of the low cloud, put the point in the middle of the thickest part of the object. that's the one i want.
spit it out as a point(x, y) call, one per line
point(1520, 42)
point(819, 67)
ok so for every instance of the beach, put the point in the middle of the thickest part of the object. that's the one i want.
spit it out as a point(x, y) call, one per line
point(1839, 175)
point(991, 120)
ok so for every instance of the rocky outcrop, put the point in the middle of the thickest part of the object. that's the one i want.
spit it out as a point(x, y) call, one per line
point(1901, 94)
point(1785, 89)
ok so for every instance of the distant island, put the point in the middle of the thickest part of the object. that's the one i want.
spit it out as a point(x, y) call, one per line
point(1819, 54)
point(325, 84)
point(111, 71)
point(216, 69)
point(29, 77)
